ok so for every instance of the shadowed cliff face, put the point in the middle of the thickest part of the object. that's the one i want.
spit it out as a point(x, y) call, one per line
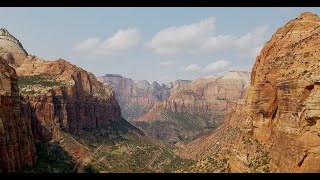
point(282, 105)
point(63, 96)
point(16, 140)
point(135, 98)
point(55, 96)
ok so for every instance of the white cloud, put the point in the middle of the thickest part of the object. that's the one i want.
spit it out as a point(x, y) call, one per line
point(217, 43)
point(121, 41)
point(167, 63)
point(87, 45)
point(192, 68)
point(249, 44)
point(217, 67)
point(200, 38)
point(174, 39)
point(241, 68)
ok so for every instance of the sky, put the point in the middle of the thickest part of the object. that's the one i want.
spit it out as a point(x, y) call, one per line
point(149, 43)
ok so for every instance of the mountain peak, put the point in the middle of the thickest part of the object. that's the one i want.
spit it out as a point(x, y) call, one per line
point(11, 45)
point(113, 75)
point(309, 15)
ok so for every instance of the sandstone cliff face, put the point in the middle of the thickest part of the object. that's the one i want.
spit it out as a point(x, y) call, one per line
point(16, 139)
point(63, 96)
point(54, 96)
point(135, 98)
point(203, 102)
point(206, 95)
point(10, 48)
point(281, 109)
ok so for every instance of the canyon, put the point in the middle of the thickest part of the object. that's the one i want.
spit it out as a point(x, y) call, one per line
point(181, 110)
point(194, 109)
point(57, 117)
point(54, 106)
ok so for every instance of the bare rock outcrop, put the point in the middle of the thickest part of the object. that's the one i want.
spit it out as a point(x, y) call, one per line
point(135, 98)
point(16, 140)
point(281, 110)
point(40, 98)
point(195, 107)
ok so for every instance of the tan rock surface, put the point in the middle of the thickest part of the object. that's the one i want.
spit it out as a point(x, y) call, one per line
point(202, 101)
point(54, 96)
point(135, 98)
point(281, 108)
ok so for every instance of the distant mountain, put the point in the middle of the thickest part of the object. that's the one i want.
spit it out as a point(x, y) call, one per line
point(57, 117)
point(138, 97)
point(193, 108)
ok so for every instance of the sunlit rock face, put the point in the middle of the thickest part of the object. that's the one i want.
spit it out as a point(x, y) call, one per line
point(281, 109)
point(195, 107)
point(40, 98)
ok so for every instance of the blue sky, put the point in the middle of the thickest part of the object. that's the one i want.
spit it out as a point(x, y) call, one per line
point(162, 44)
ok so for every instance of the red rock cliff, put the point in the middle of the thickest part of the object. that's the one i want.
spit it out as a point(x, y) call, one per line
point(74, 102)
point(135, 98)
point(282, 105)
point(54, 96)
point(16, 141)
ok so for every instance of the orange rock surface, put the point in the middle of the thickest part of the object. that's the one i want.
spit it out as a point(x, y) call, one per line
point(281, 110)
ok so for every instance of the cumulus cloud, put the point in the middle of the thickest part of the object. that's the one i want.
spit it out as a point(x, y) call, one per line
point(212, 68)
point(175, 39)
point(217, 67)
point(249, 44)
point(87, 45)
point(241, 68)
point(201, 38)
point(217, 43)
point(121, 41)
point(167, 63)
point(193, 68)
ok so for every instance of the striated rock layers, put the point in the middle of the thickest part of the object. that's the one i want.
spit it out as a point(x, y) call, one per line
point(64, 96)
point(11, 48)
point(55, 96)
point(135, 98)
point(194, 107)
point(281, 110)
point(16, 141)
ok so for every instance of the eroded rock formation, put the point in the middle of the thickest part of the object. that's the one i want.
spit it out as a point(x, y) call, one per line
point(135, 98)
point(54, 96)
point(16, 140)
point(281, 110)
point(199, 105)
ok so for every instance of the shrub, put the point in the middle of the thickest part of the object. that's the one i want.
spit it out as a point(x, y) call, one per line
point(90, 169)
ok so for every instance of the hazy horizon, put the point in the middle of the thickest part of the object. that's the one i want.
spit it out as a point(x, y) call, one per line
point(153, 44)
